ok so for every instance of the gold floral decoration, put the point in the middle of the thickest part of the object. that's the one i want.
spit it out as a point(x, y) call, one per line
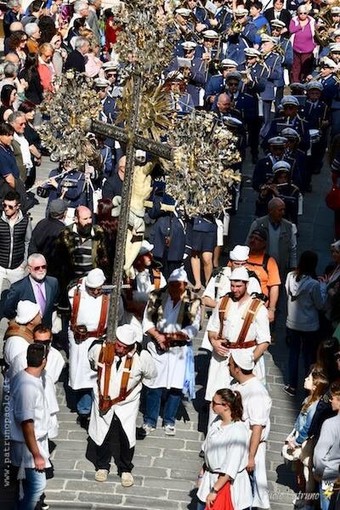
point(73, 102)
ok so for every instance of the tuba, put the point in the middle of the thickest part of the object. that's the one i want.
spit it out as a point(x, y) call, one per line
point(322, 32)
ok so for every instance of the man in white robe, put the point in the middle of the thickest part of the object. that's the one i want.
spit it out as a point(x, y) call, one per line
point(256, 415)
point(113, 433)
point(171, 320)
point(226, 337)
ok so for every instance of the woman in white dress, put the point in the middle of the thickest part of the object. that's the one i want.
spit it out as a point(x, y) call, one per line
point(224, 480)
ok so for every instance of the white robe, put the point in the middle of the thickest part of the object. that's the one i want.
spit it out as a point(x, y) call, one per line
point(171, 364)
point(218, 287)
point(142, 368)
point(256, 411)
point(226, 451)
point(14, 345)
point(81, 375)
point(219, 376)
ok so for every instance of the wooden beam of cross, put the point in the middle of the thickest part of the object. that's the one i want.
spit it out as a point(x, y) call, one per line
point(133, 141)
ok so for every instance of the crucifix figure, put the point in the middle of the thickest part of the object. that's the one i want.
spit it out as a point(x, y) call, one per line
point(133, 141)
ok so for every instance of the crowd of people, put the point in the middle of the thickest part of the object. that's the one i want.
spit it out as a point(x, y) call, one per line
point(269, 73)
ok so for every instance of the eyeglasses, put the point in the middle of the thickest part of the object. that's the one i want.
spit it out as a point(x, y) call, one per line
point(8, 206)
point(43, 342)
point(214, 403)
point(37, 268)
point(111, 75)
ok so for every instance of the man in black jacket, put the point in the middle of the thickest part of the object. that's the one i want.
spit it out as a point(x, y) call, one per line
point(76, 59)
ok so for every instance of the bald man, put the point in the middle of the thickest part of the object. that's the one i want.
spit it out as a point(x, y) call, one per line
point(80, 247)
point(281, 236)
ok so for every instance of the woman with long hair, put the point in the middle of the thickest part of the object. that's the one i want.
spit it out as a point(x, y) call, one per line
point(224, 480)
point(306, 296)
point(17, 43)
point(33, 138)
point(34, 90)
point(8, 97)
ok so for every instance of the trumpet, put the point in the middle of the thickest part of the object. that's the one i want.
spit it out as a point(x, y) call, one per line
point(235, 28)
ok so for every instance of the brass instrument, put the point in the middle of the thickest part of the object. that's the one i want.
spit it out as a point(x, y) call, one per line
point(262, 30)
point(235, 28)
point(322, 32)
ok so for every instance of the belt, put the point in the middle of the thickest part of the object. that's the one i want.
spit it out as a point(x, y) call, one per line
point(240, 345)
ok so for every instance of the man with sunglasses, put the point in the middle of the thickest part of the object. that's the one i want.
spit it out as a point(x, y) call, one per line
point(36, 287)
point(15, 235)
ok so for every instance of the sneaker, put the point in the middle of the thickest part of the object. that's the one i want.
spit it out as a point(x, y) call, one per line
point(43, 504)
point(101, 475)
point(289, 390)
point(170, 430)
point(148, 428)
point(127, 480)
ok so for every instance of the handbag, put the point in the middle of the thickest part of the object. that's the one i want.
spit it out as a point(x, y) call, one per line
point(333, 199)
point(43, 192)
point(223, 499)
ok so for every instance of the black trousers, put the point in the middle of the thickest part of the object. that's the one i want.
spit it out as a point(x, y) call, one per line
point(116, 445)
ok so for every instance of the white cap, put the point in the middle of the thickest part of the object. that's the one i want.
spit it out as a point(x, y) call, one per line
point(277, 23)
point(244, 358)
point(188, 45)
point(289, 133)
point(241, 11)
point(178, 275)
point(328, 62)
point(228, 62)
point(239, 274)
point(335, 10)
point(95, 278)
point(111, 65)
point(26, 311)
point(239, 253)
point(183, 12)
point(334, 47)
point(210, 34)
point(126, 334)
point(145, 248)
point(279, 166)
point(175, 76)
point(101, 82)
point(268, 38)
point(252, 52)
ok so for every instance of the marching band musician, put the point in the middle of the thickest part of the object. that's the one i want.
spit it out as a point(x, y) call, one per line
point(199, 14)
point(286, 49)
point(316, 113)
point(241, 35)
point(327, 79)
point(273, 61)
point(181, 101)
point(216, 84)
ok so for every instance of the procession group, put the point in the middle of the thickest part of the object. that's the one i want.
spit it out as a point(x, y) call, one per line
point(268, 73)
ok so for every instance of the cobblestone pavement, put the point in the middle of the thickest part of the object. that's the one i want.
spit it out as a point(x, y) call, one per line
point(166, 467)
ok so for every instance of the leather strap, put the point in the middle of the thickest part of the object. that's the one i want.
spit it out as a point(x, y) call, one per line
point(102, 318)
point(249, 317)
point(222, 311)
point(156, 278)
point(15, 329)
point(75, 308)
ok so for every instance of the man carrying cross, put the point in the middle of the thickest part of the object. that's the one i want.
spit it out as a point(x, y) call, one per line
point(115, 406)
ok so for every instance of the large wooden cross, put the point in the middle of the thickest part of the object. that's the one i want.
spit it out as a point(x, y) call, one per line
point(133, 141)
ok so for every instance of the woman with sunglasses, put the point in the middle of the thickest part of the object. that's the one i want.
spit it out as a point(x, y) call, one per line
point(224, 480)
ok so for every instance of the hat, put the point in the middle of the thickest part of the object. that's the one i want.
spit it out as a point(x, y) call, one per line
point(210, 34)
point(241, 11)
point(145, 248)
point(289, 133)
point(244, 358)
point(178, 275)
point(175, 76)
point(239, 274)
point(277, 23)
point(268, 38)
point(334, 47)
point(260, 232)
point(314, 85)
point(234, 75)
point(252, 52)
point(289, 100)
point(95, 278)
point(189, 45)
point(101, 83)
point(281, 166)
point(232, 122)
point(239, 253)
point(277, 141)
point(227, 62)
point(26, 311)
point(57, 206)
point(126, 334)
point(296, 85)
point(328, 62)
point(336, 32)
point(183, 12)
point(335, 10)
point(111, 65)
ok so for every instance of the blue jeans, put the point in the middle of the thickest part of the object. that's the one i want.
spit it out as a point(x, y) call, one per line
point(172, 399)
point(33, 486)
point(84, 401)
point(306, 342)
point(200, 505)
point(324, 501)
